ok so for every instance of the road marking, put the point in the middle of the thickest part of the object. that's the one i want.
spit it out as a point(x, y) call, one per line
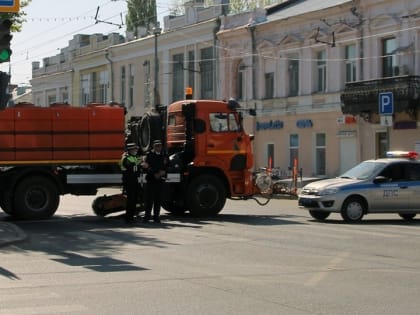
point(38, 310)
point(332, 265)
point(26, 296)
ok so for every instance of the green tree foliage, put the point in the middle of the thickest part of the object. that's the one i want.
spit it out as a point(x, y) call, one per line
point(17, 18)
point(141, 13)
point(238, 6)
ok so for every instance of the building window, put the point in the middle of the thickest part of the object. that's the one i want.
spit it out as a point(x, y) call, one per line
point(207, 68)
point(178, 77)
point(320, 149)
point(147, 84)
point(131, 86)
point(123, 85)
point(85, 84)
point(293, 75)
point(381, 145)
point(51, 99)
point(240, 84)
point(94, 87)
point(350, 60)
point(64, 95)
point(269, 85)
point(191, 69)
point(389, 57)
point(322, 71)
point(103, 87)
point(293, 149)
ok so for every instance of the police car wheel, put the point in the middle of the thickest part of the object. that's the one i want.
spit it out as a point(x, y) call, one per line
point(407, 216)
point(353, 209)
point(319, 215)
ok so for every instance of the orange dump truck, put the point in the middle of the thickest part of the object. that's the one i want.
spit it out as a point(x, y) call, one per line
point(48, 152)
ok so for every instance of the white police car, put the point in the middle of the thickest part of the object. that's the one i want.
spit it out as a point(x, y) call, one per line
point(386, 185)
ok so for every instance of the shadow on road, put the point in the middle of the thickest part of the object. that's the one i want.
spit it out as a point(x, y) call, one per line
point(91, 242)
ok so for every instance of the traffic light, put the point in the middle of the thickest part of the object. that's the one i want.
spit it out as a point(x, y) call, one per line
point(5, 38)
point(4, 90)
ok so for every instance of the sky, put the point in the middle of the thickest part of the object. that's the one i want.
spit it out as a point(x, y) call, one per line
point(51, 24)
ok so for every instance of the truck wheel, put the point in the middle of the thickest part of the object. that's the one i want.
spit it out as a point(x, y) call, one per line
point(206, 196)
point(173, 208)
point(36, 198)
point(6, 202)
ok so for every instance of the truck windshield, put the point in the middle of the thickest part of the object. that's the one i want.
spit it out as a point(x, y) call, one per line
point(223, 122)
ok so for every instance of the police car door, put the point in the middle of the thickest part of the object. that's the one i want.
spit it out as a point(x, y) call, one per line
point(414, 185)
point(394, 194)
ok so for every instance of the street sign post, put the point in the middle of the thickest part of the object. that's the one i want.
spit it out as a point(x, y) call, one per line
point(9, 6)
point(386, 110)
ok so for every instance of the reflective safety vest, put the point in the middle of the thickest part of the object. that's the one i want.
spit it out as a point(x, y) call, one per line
point(132, 159)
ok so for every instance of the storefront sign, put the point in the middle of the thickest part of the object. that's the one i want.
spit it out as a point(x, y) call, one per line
point(272, 124)
point(304, 123)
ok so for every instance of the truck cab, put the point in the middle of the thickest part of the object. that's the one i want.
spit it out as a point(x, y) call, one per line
point(206, 139)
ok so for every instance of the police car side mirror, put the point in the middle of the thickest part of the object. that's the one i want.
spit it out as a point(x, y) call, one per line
point(380, 180)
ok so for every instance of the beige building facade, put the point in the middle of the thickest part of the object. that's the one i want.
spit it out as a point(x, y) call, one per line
point(307, 67)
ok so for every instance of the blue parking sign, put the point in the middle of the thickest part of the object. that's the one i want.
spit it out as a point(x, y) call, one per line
point(386, 103)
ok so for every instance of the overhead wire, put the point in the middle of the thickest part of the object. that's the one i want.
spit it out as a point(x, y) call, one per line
point(238, 54)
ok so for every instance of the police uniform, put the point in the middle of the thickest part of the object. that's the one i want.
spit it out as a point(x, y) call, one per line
point(156, 162)
point(130, 172)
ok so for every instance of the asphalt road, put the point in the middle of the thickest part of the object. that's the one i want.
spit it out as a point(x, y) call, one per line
point(249, 260)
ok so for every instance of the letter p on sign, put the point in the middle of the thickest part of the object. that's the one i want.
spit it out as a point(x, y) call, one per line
point(386, 103)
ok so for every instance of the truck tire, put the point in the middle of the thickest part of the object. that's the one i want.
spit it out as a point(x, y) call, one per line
point(150, 129)
point(173, 208)
point(206, 196)
point(6, 202)
point(35, 198)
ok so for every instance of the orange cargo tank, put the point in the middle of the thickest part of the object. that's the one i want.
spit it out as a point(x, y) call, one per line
point(33, 138)
point(7, 135)
point(70, 132)
point(106, 131)
point(61, 132)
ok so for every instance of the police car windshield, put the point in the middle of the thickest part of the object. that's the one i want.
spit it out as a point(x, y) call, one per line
point(364, 170)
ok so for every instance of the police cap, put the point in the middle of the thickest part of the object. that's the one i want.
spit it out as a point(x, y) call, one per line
point(132, 146)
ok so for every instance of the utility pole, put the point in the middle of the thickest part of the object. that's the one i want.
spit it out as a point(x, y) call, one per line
point(156, 32)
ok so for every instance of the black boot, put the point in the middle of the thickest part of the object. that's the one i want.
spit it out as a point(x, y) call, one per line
point(146, 218)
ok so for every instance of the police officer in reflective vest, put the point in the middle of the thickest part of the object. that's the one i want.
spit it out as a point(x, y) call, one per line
point(130, 173)
point(155, 164)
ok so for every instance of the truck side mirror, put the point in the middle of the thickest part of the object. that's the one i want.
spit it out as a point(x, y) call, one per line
point(252, 112)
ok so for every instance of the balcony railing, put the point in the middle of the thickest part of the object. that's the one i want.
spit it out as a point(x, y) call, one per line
point(362, 96)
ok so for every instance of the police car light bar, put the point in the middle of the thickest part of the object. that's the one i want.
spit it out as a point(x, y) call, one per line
point(412, 155)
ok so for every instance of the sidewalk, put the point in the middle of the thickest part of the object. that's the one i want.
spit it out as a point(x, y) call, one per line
point(10, 234)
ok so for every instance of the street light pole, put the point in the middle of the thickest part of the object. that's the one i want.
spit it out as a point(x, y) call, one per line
point(156, 98)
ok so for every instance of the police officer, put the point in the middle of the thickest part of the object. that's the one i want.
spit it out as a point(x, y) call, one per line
point(130, 173)
point(155, 163)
